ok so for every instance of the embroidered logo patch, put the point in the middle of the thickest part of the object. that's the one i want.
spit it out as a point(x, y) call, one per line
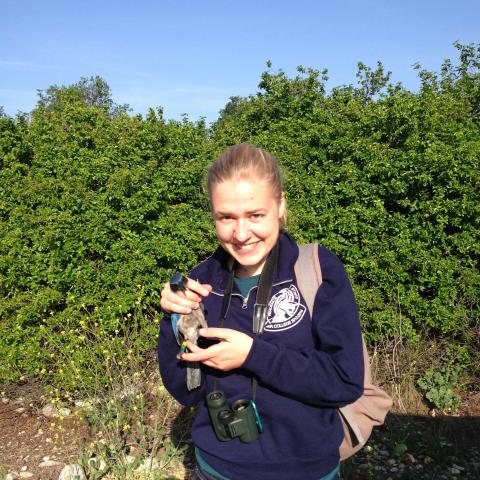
point(284, 310)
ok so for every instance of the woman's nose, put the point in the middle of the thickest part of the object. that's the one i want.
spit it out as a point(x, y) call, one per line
point(242, 230)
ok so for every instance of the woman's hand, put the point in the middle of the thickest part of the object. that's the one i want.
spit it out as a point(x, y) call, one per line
point(231, 352)
point(183, 302)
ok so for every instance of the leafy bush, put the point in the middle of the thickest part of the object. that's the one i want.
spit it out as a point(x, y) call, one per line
point(98, 208)
point(439, 384)
point(438, 387)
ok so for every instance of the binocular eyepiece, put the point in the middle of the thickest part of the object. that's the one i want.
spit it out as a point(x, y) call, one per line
point(241, 420)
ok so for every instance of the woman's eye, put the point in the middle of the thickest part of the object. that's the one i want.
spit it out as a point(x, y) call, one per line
point(257, 216)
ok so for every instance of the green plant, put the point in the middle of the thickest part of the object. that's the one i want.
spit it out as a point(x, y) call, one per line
point(439, 384)
point(438, 387)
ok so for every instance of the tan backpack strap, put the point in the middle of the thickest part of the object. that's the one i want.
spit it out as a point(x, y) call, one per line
point(308, 273)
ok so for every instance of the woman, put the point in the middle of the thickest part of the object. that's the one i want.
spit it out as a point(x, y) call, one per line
point(298, 369)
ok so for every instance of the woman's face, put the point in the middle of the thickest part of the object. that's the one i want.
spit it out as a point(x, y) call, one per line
point(247, 219)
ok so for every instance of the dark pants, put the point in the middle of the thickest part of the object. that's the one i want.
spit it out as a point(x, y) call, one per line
point(199, 475)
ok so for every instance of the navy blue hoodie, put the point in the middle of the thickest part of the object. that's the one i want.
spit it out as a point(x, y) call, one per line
point(305, 368)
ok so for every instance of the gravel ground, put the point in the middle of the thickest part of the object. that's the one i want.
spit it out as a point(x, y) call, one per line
point(420, 448)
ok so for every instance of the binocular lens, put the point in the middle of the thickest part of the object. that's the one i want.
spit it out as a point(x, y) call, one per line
point(240, 405)
point(226, 416)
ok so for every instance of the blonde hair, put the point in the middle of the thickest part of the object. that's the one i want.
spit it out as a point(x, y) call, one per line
point(243, 161)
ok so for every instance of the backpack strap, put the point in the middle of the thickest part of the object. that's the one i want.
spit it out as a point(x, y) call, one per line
point(308, 273)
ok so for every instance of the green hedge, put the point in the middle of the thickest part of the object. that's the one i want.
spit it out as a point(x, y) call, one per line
point(98, 208)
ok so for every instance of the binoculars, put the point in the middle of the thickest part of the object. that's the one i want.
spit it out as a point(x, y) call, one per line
point(241, 420)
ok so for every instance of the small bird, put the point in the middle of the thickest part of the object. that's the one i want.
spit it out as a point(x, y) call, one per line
point(188, 327)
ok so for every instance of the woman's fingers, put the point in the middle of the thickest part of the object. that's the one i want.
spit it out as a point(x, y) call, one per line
point(197, 354)
point(183, 302)
point(231, 352)
point(201, 290)
point(172, 302)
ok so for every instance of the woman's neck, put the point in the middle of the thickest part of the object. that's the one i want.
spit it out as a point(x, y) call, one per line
point(242, 271)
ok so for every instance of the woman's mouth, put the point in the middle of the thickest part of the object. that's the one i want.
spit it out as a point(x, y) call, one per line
point(243, 249)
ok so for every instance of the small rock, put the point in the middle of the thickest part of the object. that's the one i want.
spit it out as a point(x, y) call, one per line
point(411, 458)
point(20, 410)
point(24, 468)
point(49, 463)
point(83, 404)
point(458, 467)
point(6, 400)
point(427, 460)
point(148, 465)
point(127, 391)
point(72, 472)
point(391, 461)
point(53, 411)
point(129, 459)
point(454, 471)
point(19, 400)
point(26, 475)
point(11, 476)
point(97, 463)
point(46, 459)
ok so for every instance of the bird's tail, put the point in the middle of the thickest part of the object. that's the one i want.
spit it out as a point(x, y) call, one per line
point(194, 375)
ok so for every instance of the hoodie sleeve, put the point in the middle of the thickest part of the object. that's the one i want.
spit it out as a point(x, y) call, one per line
point(172, 370)
point(331, 374)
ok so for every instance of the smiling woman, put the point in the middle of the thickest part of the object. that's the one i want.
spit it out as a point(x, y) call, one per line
point(273, 380)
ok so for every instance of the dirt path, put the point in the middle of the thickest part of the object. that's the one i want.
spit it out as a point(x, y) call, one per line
point(28, 440)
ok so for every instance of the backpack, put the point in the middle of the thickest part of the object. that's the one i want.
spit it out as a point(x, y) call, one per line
point(359, 417)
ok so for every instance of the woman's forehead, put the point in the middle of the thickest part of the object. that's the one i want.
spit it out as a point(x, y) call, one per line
point(243, 186)
point(242, 194)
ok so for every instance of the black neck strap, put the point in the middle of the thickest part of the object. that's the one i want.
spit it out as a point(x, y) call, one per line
point(264, 291)
point(260, 311)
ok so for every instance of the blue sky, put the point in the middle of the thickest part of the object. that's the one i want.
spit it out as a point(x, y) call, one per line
point(190, 56)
